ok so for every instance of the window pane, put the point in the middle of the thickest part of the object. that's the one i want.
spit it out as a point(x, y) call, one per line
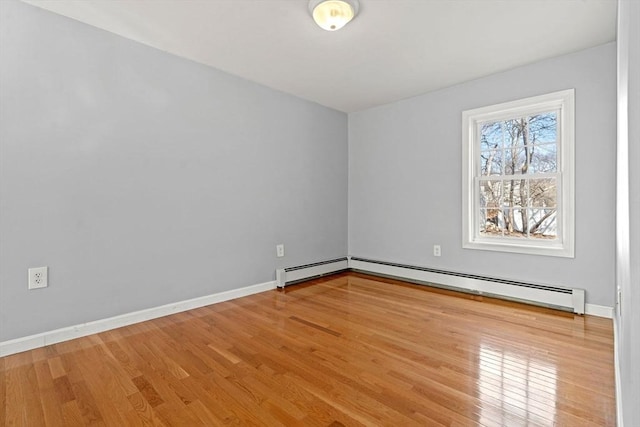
point(514, 193)
point(544, 158)
point(490, 192)
point(491, 222)
point(543, 128)
point(513, 219)
point(513, 207)
point(491, 163)
point(514, 160)
point(491, 136)
point(542, 223)
point(543, 193)
point(514, 132)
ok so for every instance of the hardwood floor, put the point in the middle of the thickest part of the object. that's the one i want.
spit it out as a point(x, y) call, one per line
point(347, 350)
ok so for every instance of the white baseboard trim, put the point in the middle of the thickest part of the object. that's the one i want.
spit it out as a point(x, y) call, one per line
point(598, 310)
point(71, 332)
point(616, 364)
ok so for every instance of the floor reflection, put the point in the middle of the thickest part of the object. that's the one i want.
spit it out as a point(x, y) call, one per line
point(515, 388)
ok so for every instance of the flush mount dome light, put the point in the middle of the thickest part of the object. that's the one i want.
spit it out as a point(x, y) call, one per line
point(332, 15)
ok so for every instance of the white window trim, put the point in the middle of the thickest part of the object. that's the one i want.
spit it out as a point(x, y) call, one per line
point(564, 245)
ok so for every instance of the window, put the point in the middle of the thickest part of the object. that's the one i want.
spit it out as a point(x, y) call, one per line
point(518, 180)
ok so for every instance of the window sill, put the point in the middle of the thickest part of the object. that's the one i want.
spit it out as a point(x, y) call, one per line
point(529, 248)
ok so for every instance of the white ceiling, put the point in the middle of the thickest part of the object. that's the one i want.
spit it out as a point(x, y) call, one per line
point(392, 50)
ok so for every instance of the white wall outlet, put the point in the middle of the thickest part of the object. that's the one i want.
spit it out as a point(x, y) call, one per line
point(436, 250)
point(280, 250)
point(38, 278)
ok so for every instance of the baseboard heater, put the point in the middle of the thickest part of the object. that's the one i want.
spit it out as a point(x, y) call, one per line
point(566, 299)
point(291, 275)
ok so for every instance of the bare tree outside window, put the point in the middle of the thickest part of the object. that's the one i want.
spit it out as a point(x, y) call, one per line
point(518, 197)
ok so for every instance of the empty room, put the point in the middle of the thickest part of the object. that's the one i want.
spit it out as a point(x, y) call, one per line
point(319, 212)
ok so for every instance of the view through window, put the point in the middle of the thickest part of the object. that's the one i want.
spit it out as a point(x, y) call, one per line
point(518, 185)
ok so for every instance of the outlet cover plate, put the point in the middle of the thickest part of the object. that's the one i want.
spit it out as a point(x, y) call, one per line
point(38, 277)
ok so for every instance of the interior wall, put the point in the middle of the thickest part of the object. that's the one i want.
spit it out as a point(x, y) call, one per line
point(140, 178)
point(405, 163)
point(628, 212)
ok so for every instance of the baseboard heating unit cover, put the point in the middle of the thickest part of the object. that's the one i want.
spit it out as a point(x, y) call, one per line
point(290, 275)
point(567, 299)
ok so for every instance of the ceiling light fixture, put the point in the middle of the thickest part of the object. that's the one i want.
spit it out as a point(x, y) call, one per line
point(331, 15)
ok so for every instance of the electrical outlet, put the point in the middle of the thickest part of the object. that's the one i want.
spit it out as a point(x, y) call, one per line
point(280, 250)
point(436, 250)
point(38, 278)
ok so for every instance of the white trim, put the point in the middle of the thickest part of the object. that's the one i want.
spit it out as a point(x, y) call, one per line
point(616, 364)
point(81, 330)
point(599, 310)
point(561, 101)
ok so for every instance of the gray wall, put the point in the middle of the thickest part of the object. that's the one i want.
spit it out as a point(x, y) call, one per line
point(405, 175)
point(142, 179)
point(628, 204)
